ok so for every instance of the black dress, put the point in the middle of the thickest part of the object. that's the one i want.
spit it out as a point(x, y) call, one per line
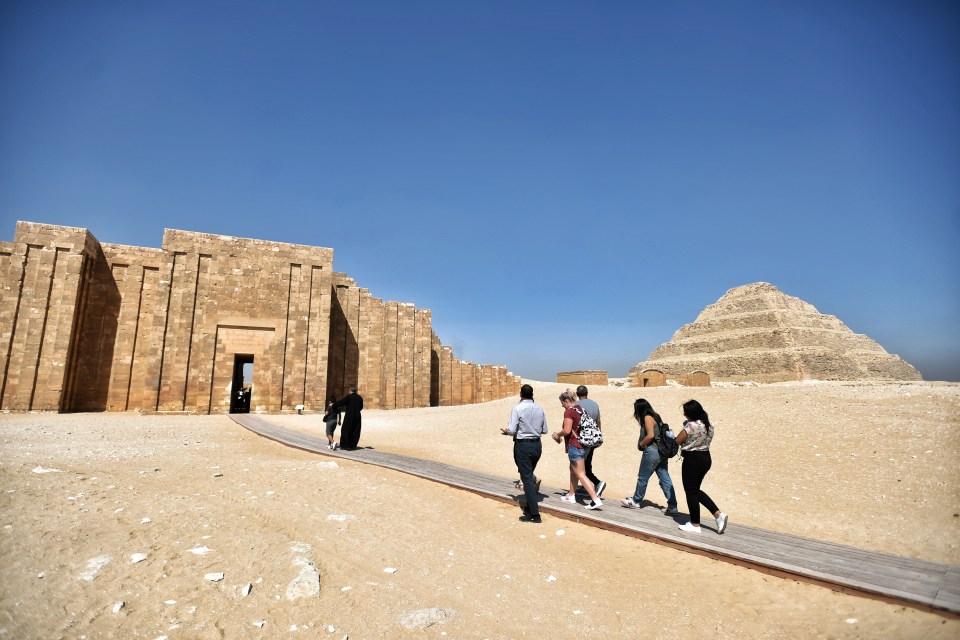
point(350, 429)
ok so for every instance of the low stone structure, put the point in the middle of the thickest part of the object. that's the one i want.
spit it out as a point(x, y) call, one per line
point(586, 377)
point(758, 333)
point(90, 326)
point(657, 378)
point(695, 379)
point(648, 378)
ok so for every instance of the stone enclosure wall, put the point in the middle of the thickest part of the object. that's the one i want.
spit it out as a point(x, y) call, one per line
point(586, 377)
point(390, 351)
point(657, 378)
point(86, 326)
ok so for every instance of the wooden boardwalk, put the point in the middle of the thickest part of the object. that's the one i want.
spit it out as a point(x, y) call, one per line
point(918, 583)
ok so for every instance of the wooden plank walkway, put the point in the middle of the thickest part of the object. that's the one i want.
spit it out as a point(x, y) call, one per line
point(918, 583)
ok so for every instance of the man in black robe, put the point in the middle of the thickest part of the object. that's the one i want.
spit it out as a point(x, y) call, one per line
point(352, 404)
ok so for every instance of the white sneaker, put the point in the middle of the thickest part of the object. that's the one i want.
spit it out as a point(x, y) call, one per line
point(722, 523)
point(690, 528)
point(569, 498)
point(594, 504)
point(629, 503)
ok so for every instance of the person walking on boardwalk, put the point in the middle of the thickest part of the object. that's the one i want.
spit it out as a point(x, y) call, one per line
point(331, 418)
point(352, 403)
point(592, 409)
point(527, 424)
point(694, 441)
point(569, 434)
point(651, 462)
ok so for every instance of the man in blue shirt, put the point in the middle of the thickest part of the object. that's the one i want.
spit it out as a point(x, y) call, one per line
point(527, 424)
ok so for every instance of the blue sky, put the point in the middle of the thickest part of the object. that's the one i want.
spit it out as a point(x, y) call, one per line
point(564, 183)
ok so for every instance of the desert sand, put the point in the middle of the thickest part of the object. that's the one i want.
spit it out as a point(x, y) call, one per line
point(872, 465)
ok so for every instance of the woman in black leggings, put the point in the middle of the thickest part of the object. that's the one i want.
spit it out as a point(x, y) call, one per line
point(694, 441)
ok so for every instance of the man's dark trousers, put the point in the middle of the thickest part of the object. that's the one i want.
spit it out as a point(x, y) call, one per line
point(526, 453)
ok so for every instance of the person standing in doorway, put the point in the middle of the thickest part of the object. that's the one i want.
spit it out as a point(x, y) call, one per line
point(592, 409)
point(527, 424)
point(352, 404)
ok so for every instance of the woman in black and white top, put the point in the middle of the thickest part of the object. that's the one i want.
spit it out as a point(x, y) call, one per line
point(694, 441)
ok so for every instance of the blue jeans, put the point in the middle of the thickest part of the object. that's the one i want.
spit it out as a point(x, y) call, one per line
point(574, 454)
point(650, 463)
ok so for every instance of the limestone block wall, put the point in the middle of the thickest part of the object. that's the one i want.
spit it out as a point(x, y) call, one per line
point(221, 298)
point(657, 378)
point(648, 378)
point(696, 379)
point(585, 377)
point(42, 274)
point(390, 351)
point(90, 326)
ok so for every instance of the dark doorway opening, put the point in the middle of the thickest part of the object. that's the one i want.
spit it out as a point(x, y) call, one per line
point(242, 387)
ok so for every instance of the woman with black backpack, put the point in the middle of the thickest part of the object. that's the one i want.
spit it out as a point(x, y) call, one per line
point(694, 440)
point(651, 462)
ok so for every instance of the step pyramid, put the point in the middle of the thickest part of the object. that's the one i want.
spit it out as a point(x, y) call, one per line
point(756, 332)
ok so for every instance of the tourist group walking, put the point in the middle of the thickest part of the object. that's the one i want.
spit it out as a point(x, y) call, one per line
point(581, 434)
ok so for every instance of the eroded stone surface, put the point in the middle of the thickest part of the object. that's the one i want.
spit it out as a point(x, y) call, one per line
point(756, 332)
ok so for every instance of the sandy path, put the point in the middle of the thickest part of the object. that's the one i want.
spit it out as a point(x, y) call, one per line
point(463, 559)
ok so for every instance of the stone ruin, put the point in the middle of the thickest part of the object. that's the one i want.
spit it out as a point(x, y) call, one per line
point(657, 378)
point(758, 333)
point(90, 326)
point(586, 377)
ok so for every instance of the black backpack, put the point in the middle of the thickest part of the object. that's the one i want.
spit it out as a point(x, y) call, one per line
point(666, 443)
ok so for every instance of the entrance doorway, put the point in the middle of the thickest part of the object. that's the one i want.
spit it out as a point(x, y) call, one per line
point(242, 388)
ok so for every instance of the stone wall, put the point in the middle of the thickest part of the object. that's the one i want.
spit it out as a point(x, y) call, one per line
point(586, 377)
point(86, 326)
point(390, 352)
point(41, 303)
point(648, 378)
point(657, 378)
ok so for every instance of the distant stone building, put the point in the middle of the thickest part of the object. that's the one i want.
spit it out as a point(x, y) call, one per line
point(90, 326)
point(647, 378)
point(586, 377)
point(756, 332)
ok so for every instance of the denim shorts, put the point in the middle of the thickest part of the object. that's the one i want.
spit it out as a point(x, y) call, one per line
point(575, 454)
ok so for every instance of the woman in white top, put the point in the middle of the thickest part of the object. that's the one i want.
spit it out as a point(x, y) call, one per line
point(694, 441)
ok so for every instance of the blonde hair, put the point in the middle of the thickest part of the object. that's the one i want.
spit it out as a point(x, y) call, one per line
point(568, 396)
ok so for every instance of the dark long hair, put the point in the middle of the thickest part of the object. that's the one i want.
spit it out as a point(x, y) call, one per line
point(642, 408)
point(693, 411)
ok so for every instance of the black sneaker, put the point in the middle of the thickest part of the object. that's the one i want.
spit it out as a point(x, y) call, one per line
point(529, 518)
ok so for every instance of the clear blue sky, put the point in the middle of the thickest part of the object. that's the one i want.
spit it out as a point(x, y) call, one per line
point(564, 183)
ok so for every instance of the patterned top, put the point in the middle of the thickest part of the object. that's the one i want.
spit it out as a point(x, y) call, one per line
point(698, 436)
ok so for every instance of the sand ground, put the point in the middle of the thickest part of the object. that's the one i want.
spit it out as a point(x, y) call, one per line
point(867, 464)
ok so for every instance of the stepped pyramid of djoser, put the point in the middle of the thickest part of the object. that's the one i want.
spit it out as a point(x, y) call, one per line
point(757, 332)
